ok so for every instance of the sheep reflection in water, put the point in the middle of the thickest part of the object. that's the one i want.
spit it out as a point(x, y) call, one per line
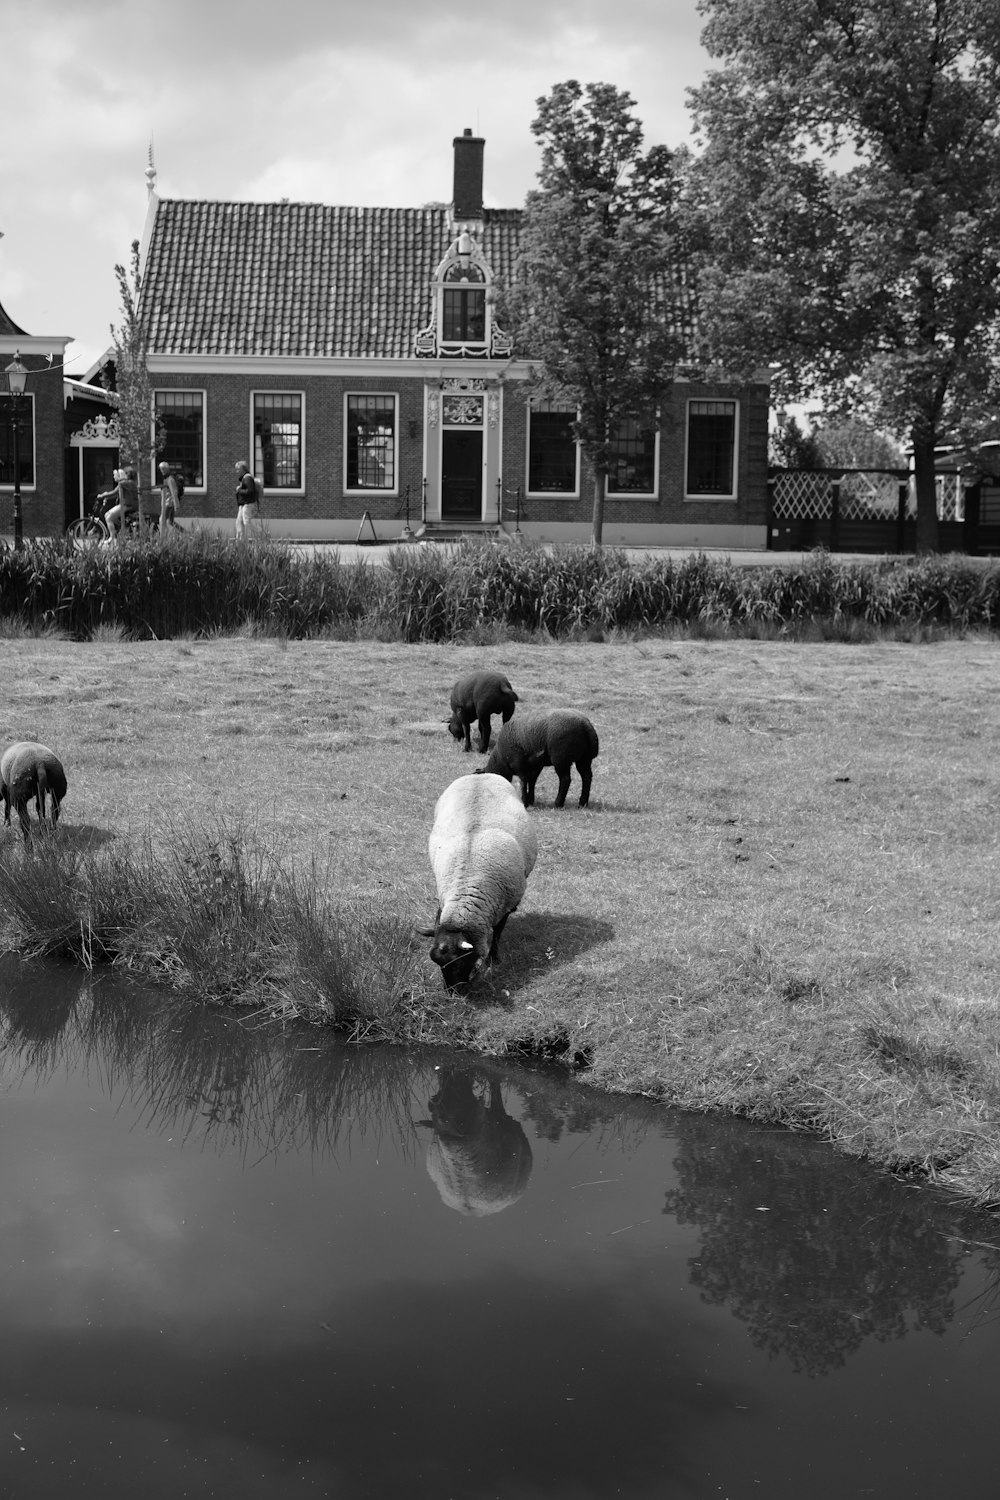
point(479, 1158)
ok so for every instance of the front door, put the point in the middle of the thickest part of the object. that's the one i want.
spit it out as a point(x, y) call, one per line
point(461, 474)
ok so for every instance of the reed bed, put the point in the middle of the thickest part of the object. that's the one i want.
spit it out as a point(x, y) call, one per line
point(217, 916)
point(199, 584)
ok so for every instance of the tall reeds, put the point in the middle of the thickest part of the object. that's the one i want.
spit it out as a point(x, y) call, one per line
point(219, 917)
point(201, 584)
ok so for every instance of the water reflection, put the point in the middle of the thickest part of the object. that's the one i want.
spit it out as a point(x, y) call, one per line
point(479, 1158)
point(813, 1252)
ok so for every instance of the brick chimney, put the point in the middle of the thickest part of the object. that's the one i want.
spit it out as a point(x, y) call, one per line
point(468, 194)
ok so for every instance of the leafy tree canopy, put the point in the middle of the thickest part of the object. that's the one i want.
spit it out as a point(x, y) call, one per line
point(848, 206)
point(590, 297)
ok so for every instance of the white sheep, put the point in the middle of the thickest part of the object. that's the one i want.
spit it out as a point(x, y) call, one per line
point(482, 848)
point(28, 770)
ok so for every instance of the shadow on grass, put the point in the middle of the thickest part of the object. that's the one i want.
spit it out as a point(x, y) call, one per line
point(84, 836)
point(538, 940)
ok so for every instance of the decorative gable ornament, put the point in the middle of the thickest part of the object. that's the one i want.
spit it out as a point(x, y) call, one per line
point(463, 326)
point(96, 431)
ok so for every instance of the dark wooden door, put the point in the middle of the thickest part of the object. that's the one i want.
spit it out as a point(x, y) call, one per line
point(461, 474)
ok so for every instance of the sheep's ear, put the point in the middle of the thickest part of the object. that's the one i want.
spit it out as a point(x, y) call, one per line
point(424, 931)
point(465, 946)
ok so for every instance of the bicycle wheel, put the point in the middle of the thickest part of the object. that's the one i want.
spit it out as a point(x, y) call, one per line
point(87, 529)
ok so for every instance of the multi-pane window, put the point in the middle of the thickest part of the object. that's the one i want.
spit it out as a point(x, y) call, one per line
point(632, 470)
point(464, 315)
point(711, 447)
point(552, 451)
point(180, 418)
point(277, 439)
point(371, 443)
point(25, 439)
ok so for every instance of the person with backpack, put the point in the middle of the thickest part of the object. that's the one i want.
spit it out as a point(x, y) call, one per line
point(247, 502)
point(171, 489)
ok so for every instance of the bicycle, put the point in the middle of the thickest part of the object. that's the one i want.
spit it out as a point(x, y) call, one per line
point(94, 528)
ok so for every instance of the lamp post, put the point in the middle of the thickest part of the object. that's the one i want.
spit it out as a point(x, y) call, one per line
point(17, 377)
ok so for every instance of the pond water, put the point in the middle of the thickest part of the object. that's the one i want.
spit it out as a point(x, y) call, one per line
point(243, 1262)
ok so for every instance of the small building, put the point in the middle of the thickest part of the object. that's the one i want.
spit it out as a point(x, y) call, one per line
point(352, 356)
point(66, 443)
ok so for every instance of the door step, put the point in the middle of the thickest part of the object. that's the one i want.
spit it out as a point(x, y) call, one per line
point(457, 531)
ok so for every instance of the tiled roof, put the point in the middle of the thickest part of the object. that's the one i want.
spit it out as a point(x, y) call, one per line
point(300, 278)
point(7, 324)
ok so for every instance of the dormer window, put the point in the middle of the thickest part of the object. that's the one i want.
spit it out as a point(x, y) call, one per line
point(463, 327)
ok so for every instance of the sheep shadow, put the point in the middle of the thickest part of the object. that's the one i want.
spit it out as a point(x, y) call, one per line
point(537, 940)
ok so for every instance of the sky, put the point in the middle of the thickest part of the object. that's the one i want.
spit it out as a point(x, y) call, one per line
point(311, 100)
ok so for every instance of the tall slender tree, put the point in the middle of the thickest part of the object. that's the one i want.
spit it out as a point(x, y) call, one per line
point(590, 296)
point(848, 199)
point(140, 438)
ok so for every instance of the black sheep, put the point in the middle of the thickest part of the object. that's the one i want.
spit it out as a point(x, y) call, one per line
point(477, 697)
point(562, 738)
point(28, 770)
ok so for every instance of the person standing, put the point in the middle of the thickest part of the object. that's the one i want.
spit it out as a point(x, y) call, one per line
point(169, 497)
point(247, 504)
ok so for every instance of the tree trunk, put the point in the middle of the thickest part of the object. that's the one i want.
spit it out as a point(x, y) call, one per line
point(597, 531)
point(924, 481)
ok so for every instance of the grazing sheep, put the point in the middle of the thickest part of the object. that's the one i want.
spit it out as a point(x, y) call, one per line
point(561, 739)
point(477, 697)
point(482, 848)
point(28, 770)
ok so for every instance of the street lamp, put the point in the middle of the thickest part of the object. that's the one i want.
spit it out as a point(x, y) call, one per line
point(17, 377)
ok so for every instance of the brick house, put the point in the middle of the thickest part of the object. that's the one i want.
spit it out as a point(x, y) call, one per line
point(67, 447)
point(352, 356)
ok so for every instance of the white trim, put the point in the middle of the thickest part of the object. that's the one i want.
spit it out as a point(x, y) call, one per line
point(374, 368)
point(653, 494)
point(530, 494)
point(391, 492)
point(185, 390)
point(23, 343)
point(279, 490)
point(714, 496)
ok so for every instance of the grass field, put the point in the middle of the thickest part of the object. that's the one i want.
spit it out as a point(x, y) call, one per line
point(781, 902)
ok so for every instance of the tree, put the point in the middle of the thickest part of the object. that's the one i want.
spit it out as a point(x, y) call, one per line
point(848, 204)
point(589, 298)
point(794, 447)
point(855, 445)
point(139, 439)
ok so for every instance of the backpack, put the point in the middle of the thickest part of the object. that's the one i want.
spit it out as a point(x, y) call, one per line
point(178, 480)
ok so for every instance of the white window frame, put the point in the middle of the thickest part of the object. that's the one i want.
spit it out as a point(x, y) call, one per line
point(279, 489)
point(643, 495)
point(713, 496)
point(26, 489)
point(389, 492)
point(183, 390)
point(574, 493)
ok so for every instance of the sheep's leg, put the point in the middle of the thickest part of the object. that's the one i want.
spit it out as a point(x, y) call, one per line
point(484, 731)
point(498, 929)
point(468, 732)
point(564, 779)
point(21, 804)
point(586, 776)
